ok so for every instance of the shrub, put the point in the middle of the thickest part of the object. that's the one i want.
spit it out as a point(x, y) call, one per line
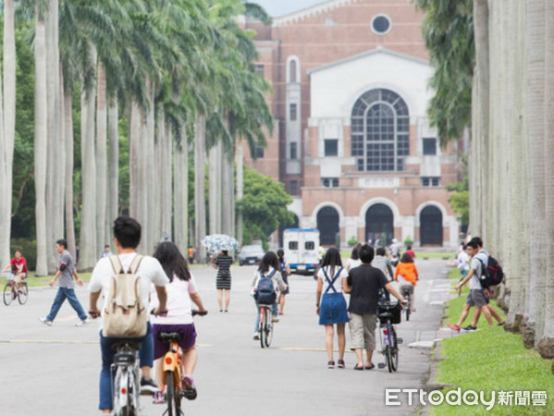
point(352, 242)
point(408, 241)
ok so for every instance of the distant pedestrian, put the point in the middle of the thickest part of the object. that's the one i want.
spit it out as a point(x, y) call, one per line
point(331, 305)
point(463, 264)
point(354, 260)
point(407, 276)
point(107, 252)
point(285, 272)
point(66, 290)
point(223, 280)
point(363, 284)
point(410, 251)
point(191, 254)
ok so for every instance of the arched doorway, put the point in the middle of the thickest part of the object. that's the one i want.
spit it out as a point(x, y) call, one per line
point(379, 224)
point(296, 223)
point(430, 226)
point(328, 225)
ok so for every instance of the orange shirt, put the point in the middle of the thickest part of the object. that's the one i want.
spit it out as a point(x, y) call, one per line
point(408, 271)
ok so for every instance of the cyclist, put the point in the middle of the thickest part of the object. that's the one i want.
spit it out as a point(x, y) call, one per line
point(406, 275)
point(180, 292)
point(19, 269)
point(269, 267)
point(127, 233)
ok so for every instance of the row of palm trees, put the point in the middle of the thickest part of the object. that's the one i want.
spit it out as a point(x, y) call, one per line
point(179, 72)
point(511, 183)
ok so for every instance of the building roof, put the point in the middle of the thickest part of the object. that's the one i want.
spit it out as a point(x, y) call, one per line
point(307, 12)
point(378, 50)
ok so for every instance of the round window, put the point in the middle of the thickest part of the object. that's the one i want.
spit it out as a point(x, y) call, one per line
point(381, 24)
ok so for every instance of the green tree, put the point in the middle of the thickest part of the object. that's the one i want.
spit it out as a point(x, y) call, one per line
point(459, 200)
point(264, 206)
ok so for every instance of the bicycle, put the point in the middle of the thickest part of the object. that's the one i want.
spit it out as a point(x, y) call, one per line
point(389, 314)
point(126, 379)
point(11, 292)
point(265, 328)
point(406, 294)
point(173, 385)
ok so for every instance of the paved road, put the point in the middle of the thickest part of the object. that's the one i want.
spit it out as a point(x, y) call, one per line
point(54, 370)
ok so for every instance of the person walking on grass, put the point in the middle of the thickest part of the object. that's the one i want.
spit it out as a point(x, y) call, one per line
point(66, 272)
point(331, 305)
point(223, 264)
point(477, 296)
point(363, 283)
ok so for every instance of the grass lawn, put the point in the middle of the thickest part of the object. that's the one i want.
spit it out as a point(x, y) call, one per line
point(33, 281)
point(491, 360)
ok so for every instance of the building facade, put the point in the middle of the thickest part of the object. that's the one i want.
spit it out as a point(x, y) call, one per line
point(352, 142)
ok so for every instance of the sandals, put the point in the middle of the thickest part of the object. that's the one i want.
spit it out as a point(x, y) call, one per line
point(370, 367)
point(359, 368)
point(331, 365)
point(341, 364)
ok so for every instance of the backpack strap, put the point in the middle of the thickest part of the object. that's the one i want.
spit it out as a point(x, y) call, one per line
point(135, 264)
point(331, 282)
point(116, 264)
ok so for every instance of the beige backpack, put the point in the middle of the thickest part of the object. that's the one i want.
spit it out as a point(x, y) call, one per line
point(125, 315)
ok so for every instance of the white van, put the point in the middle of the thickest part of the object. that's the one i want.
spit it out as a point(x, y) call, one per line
point(301, 249)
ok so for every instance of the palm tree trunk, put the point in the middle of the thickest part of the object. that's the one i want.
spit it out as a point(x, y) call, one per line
point(240, 190)
point(151, 178)
point(41, 140)
point(113, 179)
point(199, 189)
point(8, 125)
point(69, 165)
point(213, 170)
point(180, 193)
point(87, 243)
point(166, 176)
point(228, 192)
point(134, 144)
point(101, 158)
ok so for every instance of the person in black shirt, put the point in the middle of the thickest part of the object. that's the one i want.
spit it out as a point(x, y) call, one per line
point(223, 264)
point(363, 284)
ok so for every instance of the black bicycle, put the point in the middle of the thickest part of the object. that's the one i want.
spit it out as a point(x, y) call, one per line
point(389, 314)
point(265, 327)
point(406, 294)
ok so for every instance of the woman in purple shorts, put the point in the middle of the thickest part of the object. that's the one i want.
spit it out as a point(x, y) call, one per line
point(180, 292)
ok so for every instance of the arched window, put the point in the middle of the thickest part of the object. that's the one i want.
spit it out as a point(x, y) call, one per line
point(431, 226)
point(292, 70)
point(380, 131)
point(328, 225)
point(379, 224)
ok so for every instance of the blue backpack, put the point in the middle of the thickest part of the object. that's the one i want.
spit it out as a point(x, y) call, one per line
point(266, 294)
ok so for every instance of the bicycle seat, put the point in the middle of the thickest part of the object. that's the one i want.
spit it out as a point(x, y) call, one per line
point(130, 346)
point(169, 337)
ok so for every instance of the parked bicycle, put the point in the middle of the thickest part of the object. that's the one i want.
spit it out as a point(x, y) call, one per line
point(265, 328)
point(11, 291)
point(389, 314)
point(174, 387)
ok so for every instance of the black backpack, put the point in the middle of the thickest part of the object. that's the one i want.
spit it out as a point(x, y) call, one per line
point(491, 274)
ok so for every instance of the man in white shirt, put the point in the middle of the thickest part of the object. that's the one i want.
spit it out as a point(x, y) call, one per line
point(127, 233)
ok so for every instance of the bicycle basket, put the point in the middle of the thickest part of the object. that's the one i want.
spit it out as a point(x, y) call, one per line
point(387, 311)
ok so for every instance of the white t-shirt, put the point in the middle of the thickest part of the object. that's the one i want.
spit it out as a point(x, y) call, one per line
point(463, 261)
point(474, 282)
point(150, 270)
point(351, 263)
point(331, 274)
point(179, 308)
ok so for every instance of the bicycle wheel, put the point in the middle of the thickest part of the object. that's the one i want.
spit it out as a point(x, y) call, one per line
point(261, 326)
point(408, 307)
point(268, 327)
point(8, 294)
point(170, 393)
point(23, 295)
point(120, 393)
point(394, 349)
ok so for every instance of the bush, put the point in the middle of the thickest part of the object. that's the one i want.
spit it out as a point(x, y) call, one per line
point(352, 242)
point(408, 241)
point(28, 249)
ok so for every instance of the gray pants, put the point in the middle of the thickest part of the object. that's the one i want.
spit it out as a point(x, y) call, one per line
point(362, 330)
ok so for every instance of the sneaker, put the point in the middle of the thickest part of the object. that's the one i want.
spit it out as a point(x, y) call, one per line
point(341, 364)
point(45, 321)
point(84, 322)
point(501, 323)
point(470, 328)
point(190, 392)
point(148, 386)
point(331, 364)
point(256, 336)
point(454, 327)
point(158, 398)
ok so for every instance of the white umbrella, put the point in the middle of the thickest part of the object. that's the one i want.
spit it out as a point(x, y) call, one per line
point(219, 242)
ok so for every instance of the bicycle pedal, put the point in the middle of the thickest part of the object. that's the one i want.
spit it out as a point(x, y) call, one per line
point(399, 340)
point(381, 365)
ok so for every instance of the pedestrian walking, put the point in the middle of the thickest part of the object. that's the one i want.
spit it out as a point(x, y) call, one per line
point(331, 305)
point(354, 260)
point(107, 252)
point(284, 268)
point(363, 283)
point(223, 279)
point(66, 290)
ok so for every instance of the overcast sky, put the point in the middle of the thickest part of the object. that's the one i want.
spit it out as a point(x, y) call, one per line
point(281, 7)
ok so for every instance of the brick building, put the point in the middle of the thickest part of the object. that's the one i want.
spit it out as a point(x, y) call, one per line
point(352, 142)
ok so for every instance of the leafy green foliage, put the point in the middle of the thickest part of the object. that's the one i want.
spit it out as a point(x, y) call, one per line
point(459, 200)
point(448, 34)
point(264, 206)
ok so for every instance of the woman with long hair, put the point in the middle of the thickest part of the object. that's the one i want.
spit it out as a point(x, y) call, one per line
point(354, 260)
point(269, 267)
point(407, 276)
point(331, 305)
point(181, 291)
point(284, 268)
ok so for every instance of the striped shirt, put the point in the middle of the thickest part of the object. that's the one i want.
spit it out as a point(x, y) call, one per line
point(223, 265)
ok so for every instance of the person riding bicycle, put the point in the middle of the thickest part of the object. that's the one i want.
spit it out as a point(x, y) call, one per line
point(181, 291)
point(269, 267)
point(407, 276)
point(19, 269)
point(127, 234)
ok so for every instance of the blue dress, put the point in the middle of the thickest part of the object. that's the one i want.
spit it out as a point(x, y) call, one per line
point(332, 309)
